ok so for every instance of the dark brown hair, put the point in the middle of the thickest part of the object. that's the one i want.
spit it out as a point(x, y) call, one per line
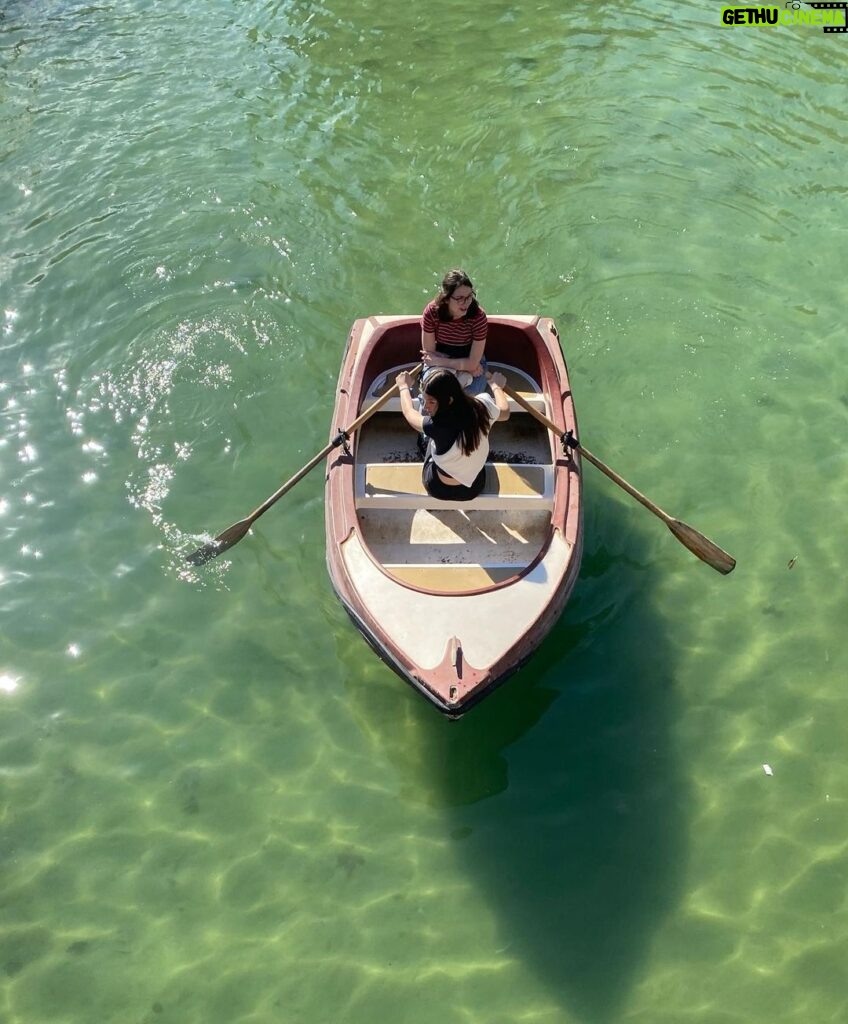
point(457, 407)
point(452, 280)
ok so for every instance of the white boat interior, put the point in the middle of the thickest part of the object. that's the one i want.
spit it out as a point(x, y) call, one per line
point(455, 546)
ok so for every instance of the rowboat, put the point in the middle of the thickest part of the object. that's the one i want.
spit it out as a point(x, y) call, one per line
point(454, 596)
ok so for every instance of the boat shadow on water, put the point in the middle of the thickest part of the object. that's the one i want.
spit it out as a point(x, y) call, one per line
point(562, 791)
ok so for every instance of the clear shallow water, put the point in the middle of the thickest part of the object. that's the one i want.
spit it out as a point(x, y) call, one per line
point(216, 804)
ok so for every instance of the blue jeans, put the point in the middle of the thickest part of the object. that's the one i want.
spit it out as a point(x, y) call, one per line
point(477, 386)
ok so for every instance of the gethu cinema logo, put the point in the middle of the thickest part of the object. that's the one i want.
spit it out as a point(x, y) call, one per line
point(833, 17)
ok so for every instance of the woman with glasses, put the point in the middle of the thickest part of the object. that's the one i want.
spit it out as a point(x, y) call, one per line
point(453, 333)
point(456, 426)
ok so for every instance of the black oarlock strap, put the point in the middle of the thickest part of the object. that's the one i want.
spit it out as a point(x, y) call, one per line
point(341, 440)
point(568, 440)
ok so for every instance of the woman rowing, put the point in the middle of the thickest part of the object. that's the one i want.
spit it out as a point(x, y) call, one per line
point(456, 426)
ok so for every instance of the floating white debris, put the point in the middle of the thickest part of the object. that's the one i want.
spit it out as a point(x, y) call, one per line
point(767, 769)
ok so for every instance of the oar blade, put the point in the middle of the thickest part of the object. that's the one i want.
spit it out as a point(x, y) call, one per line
point(703, 548)
point(232, 535)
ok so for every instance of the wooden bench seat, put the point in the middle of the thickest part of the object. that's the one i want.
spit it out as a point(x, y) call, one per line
point(398, 485)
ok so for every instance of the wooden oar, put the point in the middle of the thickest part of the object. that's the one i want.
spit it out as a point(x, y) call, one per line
point(233, 534)
point(696, 542)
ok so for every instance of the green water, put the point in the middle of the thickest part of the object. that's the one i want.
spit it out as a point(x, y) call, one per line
point(217, 806)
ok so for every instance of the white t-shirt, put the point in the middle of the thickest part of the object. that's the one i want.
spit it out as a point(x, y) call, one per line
point(465, 468)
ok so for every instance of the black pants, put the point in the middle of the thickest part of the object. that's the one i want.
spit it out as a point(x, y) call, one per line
point(437, 488)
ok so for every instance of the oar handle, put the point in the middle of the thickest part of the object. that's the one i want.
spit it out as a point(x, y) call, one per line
point(381, 401)
point(540, 416)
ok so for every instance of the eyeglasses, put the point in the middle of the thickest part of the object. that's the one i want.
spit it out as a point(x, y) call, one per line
point(462, 299)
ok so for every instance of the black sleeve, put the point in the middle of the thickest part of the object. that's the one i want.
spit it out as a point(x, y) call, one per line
point(442, 434)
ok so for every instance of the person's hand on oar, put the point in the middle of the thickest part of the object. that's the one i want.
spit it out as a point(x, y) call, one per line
point(233, 534)
point(696, 542)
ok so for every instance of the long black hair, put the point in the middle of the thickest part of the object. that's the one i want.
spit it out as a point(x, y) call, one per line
point(452, 280)
point(458, 408)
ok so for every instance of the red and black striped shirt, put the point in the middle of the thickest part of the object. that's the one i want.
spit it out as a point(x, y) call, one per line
point(454, 338)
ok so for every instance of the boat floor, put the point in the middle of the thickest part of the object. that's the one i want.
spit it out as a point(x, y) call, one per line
point(454, 537)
